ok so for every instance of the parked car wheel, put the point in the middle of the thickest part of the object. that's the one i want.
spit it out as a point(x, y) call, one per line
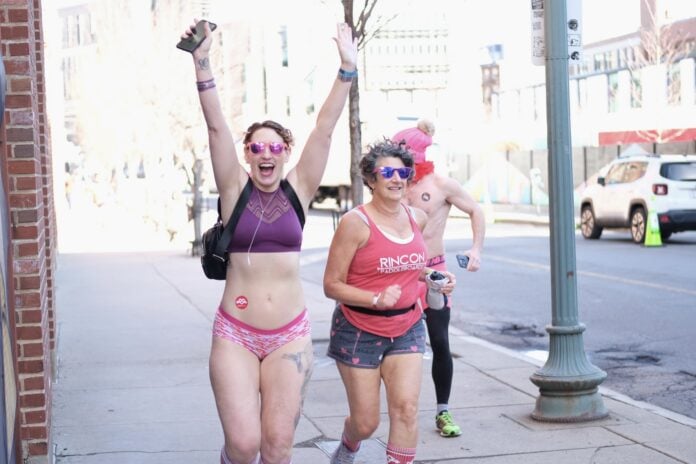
point(588, 226)
point(638, 224)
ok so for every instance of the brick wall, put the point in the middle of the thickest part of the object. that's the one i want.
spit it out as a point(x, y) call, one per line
point(32, 217)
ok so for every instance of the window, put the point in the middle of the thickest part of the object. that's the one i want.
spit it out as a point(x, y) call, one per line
point(490, 82)
point(616, 174)
point(69, 72)
point(283, 33)
point(77, 29)
point(679, 171)
point(634, 171)
point(598, 62)
point(636, 90)
point(623, 58)
point(673, 84)
point(613, 92)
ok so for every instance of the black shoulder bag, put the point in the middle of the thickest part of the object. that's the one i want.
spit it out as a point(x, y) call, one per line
point(216, 239)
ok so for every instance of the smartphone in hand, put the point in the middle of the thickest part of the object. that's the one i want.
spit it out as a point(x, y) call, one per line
point(463, 261)
point(193, 41)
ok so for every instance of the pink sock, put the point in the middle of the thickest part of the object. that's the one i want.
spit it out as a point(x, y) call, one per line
point(397, 455)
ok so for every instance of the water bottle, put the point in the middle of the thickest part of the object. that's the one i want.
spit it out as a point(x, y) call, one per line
point(433, 298)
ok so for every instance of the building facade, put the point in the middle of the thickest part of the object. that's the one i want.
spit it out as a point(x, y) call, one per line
point(28, 238)
point(638, 86)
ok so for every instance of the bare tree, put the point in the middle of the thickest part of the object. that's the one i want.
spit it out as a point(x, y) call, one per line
point(662, 47)
point(174, 102)
point(363, 34)
point(137, 108)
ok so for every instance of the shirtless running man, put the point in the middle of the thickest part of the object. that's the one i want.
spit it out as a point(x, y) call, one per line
point(436, 194)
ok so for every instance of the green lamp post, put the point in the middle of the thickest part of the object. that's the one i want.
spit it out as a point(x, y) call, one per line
point(568, 382)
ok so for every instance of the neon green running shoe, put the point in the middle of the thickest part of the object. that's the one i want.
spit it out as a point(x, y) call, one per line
point(445, 424)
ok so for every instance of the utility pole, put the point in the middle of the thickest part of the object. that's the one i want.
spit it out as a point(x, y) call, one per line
point(568, 382)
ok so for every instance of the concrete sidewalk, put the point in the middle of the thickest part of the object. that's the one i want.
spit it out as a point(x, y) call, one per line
point(132, 383)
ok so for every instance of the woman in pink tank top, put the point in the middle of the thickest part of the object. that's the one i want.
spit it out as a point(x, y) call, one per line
point(261, 355)
point(376, 259)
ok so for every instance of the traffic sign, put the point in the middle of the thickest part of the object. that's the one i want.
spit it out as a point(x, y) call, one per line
point(573, 25)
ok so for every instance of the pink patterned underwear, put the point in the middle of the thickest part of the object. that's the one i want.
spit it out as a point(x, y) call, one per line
point(259, 341)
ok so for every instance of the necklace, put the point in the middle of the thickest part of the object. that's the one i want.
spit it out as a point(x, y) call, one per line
point(261, 216)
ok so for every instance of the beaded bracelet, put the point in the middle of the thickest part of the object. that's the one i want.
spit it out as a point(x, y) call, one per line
point(205, 85)
point(347, 76)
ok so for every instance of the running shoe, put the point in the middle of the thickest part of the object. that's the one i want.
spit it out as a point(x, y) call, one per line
point(342, 455)
point(445, 424)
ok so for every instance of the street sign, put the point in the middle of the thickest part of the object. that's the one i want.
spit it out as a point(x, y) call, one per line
point(573, 28)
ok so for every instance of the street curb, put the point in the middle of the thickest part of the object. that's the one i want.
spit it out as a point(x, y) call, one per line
point(609, 393)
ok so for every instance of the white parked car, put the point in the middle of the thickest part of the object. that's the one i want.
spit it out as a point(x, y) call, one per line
point(632, 186)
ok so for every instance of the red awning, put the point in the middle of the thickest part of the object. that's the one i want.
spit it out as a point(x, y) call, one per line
point(647, 136)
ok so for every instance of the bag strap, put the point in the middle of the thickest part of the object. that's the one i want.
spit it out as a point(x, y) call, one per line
point(226, 236)
point(221, 247)
point(294, 200)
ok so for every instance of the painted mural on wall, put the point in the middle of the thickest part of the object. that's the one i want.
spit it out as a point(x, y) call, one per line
point(498, 181)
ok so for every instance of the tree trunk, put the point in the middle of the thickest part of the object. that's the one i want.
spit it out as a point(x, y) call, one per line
point(356, 183)
point(197, 206)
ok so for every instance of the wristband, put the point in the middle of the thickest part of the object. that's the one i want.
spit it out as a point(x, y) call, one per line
point(375, 299)
point(347, 76)
point(205, 85)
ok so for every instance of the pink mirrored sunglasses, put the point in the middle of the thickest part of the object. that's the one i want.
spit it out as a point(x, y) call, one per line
point(276, 148)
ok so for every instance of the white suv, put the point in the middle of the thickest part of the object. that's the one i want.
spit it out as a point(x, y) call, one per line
point(631, 186)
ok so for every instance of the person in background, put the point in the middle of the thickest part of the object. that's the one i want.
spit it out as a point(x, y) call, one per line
point(261, 355)
point(376, 259)
point(436, 194)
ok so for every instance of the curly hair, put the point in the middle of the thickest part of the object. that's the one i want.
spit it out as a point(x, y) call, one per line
point(387, 148)
point(284, 133)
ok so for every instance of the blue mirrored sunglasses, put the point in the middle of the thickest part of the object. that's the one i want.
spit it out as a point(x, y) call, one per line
point(388, 172)
point(275, 148)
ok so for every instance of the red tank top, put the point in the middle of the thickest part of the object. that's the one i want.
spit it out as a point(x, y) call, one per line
point(383, 262)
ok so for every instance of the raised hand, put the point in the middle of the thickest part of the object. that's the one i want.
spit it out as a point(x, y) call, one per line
point(347, 47)
point(204, 48)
